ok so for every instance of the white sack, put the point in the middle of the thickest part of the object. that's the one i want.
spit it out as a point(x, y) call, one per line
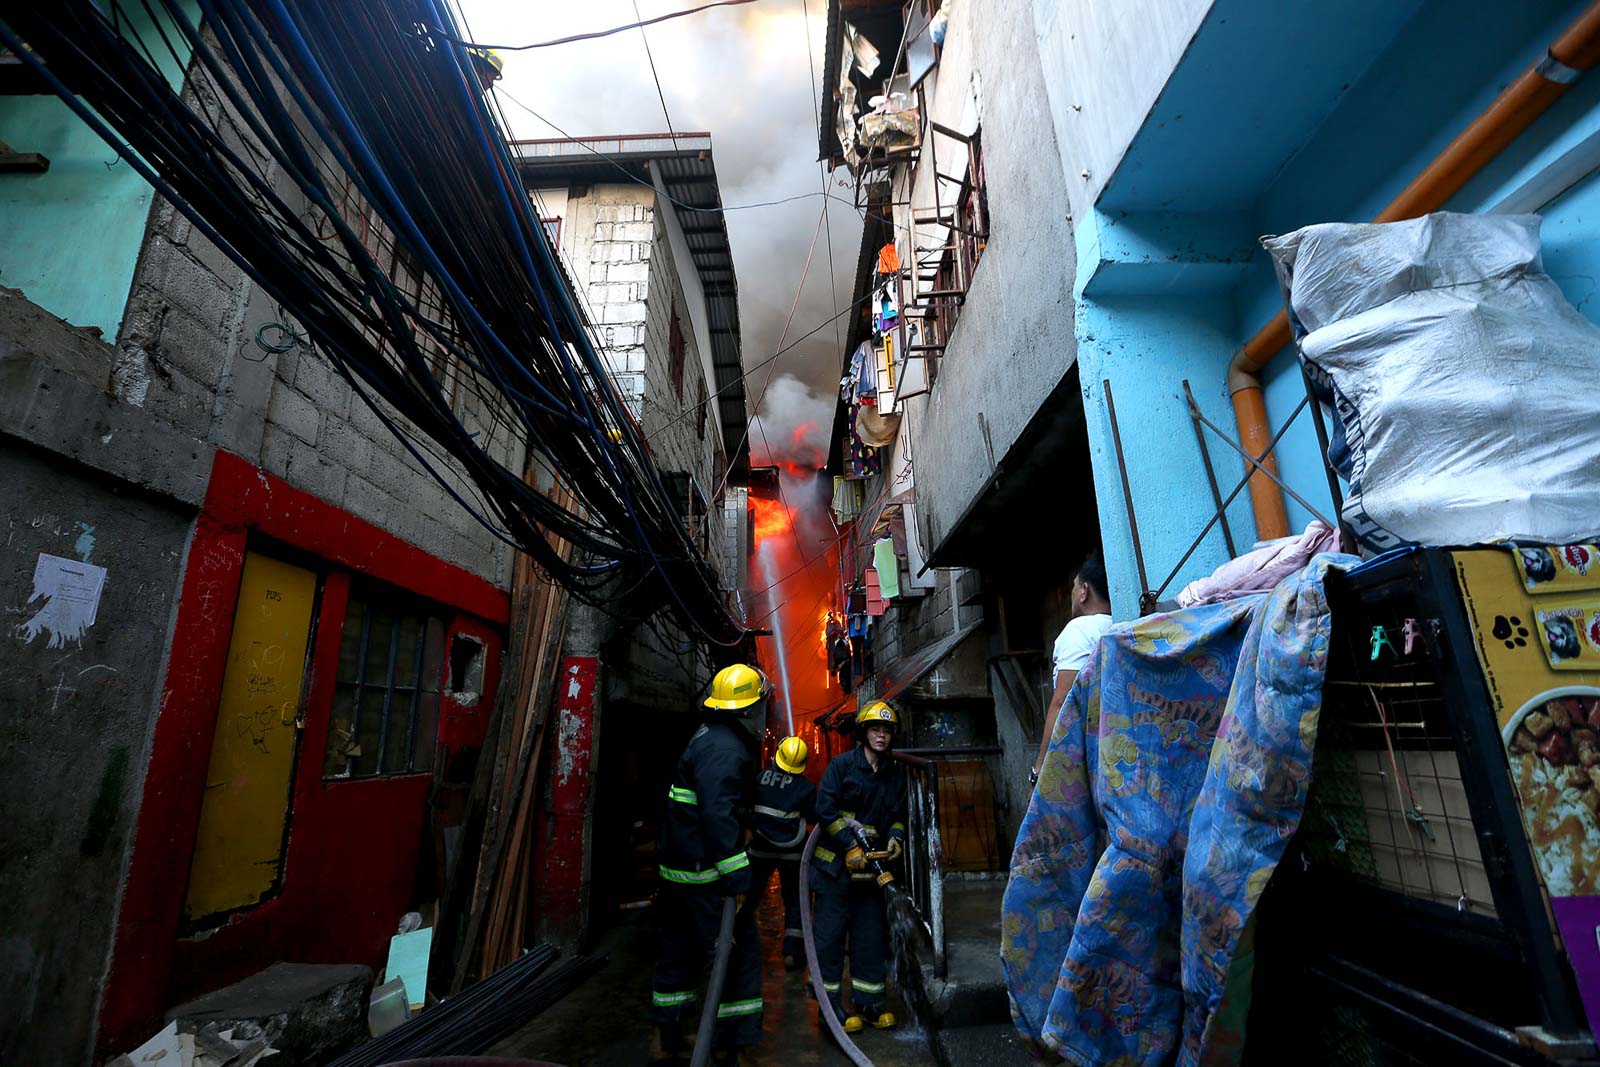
point(1468, 387)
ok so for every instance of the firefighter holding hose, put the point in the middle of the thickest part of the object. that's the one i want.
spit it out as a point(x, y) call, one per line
point(861, 805)
point(703, 862)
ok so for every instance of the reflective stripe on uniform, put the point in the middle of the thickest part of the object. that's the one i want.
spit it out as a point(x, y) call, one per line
point(830, 987)
point(866, 987)
point(729, 1008)
point(792, 932)
point(671, 1000)
point(762, 809)
point(900, 826)
point(760, 854)
point(826, 855)
point(688, 877)
point(836, 825)
point(681, 795)
point(736, 862)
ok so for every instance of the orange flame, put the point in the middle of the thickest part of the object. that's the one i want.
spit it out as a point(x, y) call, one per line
point(769, 518)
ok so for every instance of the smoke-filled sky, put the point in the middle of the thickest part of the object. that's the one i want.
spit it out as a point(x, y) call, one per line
point(744, 74)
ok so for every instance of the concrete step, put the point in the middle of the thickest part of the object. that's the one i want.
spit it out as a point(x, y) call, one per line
point(973, 991)
point(960, 1001)
point(994, 1045)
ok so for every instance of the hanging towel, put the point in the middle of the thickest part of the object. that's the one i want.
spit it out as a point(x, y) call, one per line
point(887, 565)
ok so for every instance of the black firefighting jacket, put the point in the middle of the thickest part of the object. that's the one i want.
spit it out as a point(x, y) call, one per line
point(785, 806)
point(851, 789)
point(702, 833)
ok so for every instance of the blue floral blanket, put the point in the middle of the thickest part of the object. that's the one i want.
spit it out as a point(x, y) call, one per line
point(1176, 775)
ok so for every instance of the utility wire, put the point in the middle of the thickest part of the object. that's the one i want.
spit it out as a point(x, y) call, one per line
point(336, 95)
point(653, 75)
point(643, 22)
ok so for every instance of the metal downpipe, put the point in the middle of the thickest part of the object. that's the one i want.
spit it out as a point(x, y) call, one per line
point(1572, 54)
point(824, 1005)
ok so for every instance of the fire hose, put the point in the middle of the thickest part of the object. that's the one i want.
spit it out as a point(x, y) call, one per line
point(824, 1005)
point(719, 978)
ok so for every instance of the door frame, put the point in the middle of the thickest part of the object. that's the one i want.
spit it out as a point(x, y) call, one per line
point(241, 500)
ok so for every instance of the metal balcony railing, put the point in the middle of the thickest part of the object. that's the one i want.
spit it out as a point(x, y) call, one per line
point(924, 873)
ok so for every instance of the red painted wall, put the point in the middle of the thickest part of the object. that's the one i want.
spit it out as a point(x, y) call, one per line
point(561, 852)
point(353, 845)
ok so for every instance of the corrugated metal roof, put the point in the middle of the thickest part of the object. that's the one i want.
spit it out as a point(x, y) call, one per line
point(684, 164)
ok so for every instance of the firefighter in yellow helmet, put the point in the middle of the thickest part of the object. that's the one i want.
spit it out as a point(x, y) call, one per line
point(862, 798)
point(785, 807)
point(703, 861)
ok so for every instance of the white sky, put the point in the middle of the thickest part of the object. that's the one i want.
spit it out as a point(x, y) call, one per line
point(740, 73)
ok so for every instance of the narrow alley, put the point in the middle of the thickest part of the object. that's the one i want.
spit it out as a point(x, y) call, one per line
point(800, 532)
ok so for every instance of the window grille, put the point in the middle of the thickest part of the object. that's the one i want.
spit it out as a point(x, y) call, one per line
point(386, 693)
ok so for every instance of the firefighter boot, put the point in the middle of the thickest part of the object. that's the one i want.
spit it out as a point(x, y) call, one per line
point(669, 1046)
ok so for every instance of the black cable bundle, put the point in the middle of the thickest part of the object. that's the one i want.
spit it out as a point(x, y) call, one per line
point(321, 99)
point(474, 1019)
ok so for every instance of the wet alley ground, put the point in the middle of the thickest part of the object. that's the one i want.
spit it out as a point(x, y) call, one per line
point(605, 1023)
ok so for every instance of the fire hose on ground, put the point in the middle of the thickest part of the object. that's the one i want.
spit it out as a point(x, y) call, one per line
point(824, 1005)
point(719, 965)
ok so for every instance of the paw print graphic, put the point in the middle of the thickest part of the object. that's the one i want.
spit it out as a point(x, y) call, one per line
point(1511, 631)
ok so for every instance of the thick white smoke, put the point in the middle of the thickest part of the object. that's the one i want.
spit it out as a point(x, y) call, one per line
point(742, 74)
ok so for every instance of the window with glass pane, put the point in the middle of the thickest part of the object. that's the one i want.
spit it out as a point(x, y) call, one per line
point(386, 694)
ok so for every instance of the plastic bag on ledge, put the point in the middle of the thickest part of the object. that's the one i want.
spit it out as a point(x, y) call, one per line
point(1465, 383)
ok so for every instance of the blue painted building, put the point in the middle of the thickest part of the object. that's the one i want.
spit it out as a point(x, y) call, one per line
point(1187, 130)
point(74, 231)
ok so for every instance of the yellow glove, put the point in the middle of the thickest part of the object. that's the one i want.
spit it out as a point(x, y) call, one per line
point(855, 859)
point(895, 848)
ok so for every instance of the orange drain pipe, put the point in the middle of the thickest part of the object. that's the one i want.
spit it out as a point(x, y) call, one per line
point(1513, 111)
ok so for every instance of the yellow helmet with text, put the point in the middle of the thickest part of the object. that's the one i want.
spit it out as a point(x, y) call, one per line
point(736, 687)
point(877, 712)
point(792, 754)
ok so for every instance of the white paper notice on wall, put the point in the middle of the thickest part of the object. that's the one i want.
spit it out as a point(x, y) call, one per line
point(70, 595)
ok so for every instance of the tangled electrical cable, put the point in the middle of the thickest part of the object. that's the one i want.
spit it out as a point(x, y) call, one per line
point(291, 105)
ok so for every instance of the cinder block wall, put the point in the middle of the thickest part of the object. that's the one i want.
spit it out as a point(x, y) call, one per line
point(196, 350)
point(616, 242)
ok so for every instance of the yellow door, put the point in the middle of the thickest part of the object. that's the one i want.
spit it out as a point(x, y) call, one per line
point(239, 849)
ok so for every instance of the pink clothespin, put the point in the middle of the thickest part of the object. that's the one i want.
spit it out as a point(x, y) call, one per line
point(1410, 632)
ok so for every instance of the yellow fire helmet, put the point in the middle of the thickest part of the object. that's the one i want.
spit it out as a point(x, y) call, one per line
point(736, 687)
point(792, 753)
point(877, 711)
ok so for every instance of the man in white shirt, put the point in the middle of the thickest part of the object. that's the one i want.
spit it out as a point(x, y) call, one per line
point(1091, 618)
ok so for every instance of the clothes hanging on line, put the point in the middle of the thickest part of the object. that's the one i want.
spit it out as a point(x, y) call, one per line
point(861, 460)
point(888, 259)
point(860, 384)
point(887, 566)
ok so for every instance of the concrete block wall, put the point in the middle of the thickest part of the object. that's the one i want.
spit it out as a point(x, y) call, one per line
point(735, 538)
point(608, 235)
point(619, 245)
point(196, 352)
point(618, 248)
point(1014, 340)
point(92, 480)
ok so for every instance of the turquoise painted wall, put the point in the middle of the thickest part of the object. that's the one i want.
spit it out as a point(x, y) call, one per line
point(1172, 279)
point(72, 234)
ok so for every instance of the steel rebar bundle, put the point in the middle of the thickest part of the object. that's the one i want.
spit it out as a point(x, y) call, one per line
point(475, 1019)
